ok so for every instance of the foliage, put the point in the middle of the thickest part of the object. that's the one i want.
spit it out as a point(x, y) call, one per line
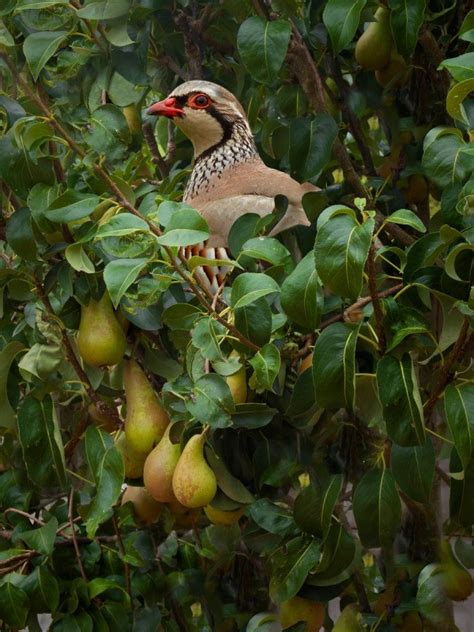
point(379, 288)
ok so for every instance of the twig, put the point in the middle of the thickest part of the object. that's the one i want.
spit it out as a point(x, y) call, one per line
point(126, 567)
point(73, 535)
point(446, 373)
point(171, 144)
point(361, 303)
point(24, 514)
point(154, 151)
point(378, 313)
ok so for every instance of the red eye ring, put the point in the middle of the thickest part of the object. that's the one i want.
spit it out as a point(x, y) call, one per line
point(199, 101)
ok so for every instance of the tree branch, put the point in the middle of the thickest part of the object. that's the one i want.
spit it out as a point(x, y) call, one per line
point(378, 313)
point(158, 161)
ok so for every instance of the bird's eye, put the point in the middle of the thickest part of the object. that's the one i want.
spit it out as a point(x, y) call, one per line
point(200, 101)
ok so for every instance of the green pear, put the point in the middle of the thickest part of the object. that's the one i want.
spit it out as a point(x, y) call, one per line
point(298, 609)
point(146, 419)
point(394, 74)
point(159, 468)
point(455, 579)
point(100, 339)
point(373, 48)
point(147, 510)
point(133, 461)
point(194, 483)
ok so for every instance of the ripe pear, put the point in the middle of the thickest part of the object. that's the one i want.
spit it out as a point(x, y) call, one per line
point(146, 419)
point(194, 483)
point(456, 580)
point(159, 468)
point(147, 509)
point(133, 461)
point(373, 48)
point(298, 609)
point(100, 340)
point(394, 73)
point(237, 383)
point(225, 518)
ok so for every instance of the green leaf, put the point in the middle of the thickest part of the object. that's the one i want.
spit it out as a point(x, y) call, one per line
point(5, 38)
point(211, 401)
point(406, 18)
point(181, 316)
point(340, 251)
point(41, 442)
point(291, 564)
point(461, 498)
point(71, 206)
point(120, 225)
point(451, 260)
point(252, 415)
point(14, 604)
point(43, 538)
point(185, 228)
point(78, 259)
point(266, 364)
point(205, 336)
point(268, 249)
point(400, 398)
point(341, 18)
point(442, 158)
point(455, 99)
point(262, 46)
point(271, 517)
point(466, 32)
point(338, 554)
point(334, 366)
point(250, 286)
point(302, 295)
point(408, 218)
point(227, 482)
point(27, 5)
point(104, 10)
point(106, 469)
point(460, 68)
point(311, 143)
point(42, 589)
point(19, 233)
point(39, 47)
point(7, 355)
point(119, 276)
point(377, 508)
point(108, 132)
point(314, 505)
point(413, 468)
point(459, 413)
point(401, 321)
point(254, 321)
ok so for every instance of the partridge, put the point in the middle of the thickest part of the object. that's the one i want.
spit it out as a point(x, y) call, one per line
point(228, 178)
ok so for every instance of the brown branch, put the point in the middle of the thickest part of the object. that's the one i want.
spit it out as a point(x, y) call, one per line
point(73, 536)
point(447, 370)
point(171, 144)
point(378, 313)
point(361, 303)
point(126, 567)
point(157, 160)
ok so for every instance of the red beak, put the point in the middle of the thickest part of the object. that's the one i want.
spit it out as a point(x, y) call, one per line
point(167, 107)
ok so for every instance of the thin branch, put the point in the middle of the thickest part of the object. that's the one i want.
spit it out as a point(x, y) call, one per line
point(73, 536)
point(378, 313)
point(126, 567)
point(447, 372)
point(150, 140)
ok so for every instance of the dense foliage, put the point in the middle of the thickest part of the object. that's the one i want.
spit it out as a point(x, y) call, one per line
point(332, 466)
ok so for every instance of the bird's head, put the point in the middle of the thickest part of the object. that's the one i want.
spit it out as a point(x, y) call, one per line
point(205, 112)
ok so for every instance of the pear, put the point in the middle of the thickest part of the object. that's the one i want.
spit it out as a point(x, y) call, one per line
point(373, 48)
point(133, 461)
point(456, 580)
point(349, 620)
point(392, 75)
point(225, 518)
point(146, 419)
point(147, 509)
point(159, 468)
point(298, 609)
point(100, 340)
point(237, 383)
point(194, 483)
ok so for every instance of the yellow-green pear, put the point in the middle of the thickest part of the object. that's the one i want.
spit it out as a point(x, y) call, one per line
point(225, 518)
point(133, 461)
point(100, 340)
point(159, 468)
point(373, 47)
point(147, 509)
point(349, 620)
point(455, 579)
point(194, 483)
point(298, 609)
point(146, 419)
point(237, 382)
point(394, 74)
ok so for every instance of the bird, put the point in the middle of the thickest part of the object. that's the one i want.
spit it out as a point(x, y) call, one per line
point(228, 178)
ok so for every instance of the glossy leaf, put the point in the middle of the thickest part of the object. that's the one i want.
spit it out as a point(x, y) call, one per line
point(334, 366)
point(211, 401)
point(104, 9)
point(14, 605)
point(302, 294)
point(119, 276)
point(266, 364)
point(42, 539)
point(377, 508)
point(311, 143)
point(408, 218)
point(461, 67)
point(413, 468)
point(39, 47)
point(249, 287)
point(341, 18)
point(314, 505)
point(406, 18)
point(291, 564)
point(400, 398)
point(461, 500)
point(271, 517)
point(262, 45)
point(7, 355)
point(459, 413)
